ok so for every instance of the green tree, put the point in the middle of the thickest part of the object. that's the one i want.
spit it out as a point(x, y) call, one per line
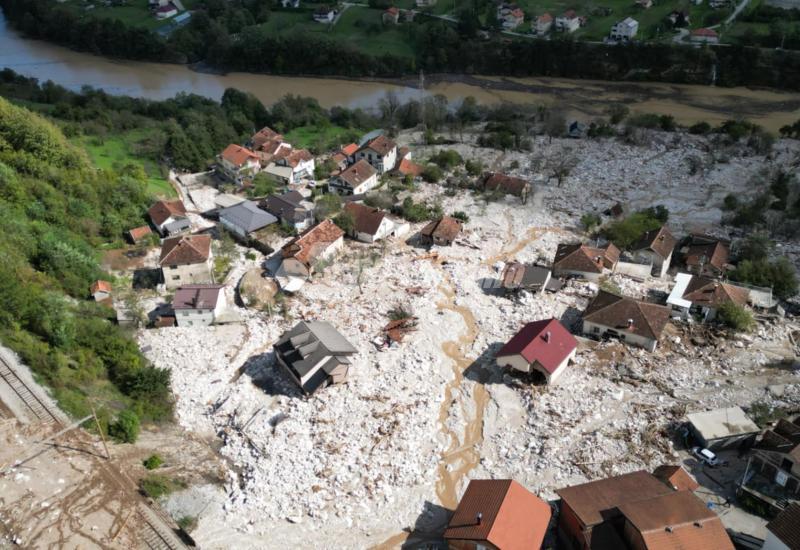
point(327, 206)
point(263, 185)
point(736, 317)
point(126, 428)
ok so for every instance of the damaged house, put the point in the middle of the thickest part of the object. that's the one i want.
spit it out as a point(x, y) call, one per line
point(301, 254)
point(198, 305)
point(655, 247)
point(510, 185)
point(441, 232)
point(314, 354)
point(706, 256)
point(631, 321)
point(586, 262)
point(372, 224)
point(774, 465)
point(186, 259)
point(702, 296)
point(533, 278)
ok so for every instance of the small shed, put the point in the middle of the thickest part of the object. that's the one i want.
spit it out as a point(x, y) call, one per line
point(722, 428)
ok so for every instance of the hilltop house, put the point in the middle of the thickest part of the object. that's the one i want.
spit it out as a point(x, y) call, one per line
point(186, 259)
point(291, 209)
point(510, 185)
point(544, 23)
point(317, 244)
point(314, 354)
point(655, 247)
point(636, 510)
point(198, 305)
point(632, 321)
point(380, 152)
point(372, 224)
point(245, 218)
point(237, 163)
point(703, 296)
point(545, 347)
point(498, 513)
point(441, 232)
point(625, 30)
point(355, 180)
point(168, 217)
point(584, 261)
point(263, 136)
point(568, 22)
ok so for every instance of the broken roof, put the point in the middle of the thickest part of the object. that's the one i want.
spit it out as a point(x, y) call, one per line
point(546, 342)
point(722, 423)
point(786, 526)
point(596, 501)
point(658, 240)
point(357, 174)
point(185, 250)
point(677, 477)
point(715, 253)
point(161, 211)
point(511, 517)
point(508, 184)
point(517, 275)
point(626, 314)
point(580, 257)
point(709, 292)
point(676, 520)
point(307, 246)
point(366, 219)
point(196, 296)
point(446, 228)
point(247, 216)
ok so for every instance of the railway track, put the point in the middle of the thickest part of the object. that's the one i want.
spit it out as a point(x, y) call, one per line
point(156, 535)
point(40, 409)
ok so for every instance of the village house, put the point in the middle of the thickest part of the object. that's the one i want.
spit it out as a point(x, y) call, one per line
point(166, 11)
point(625, 30)
point(510, 16)
point(568, 22)
point(391, 16)
point(705, 255)
point(138, 234)
point(655, 247)
point(545, 347)
point(441, 232)
point(774, 465)
point(168, 217)
point(783, 532)
point(722, 428)
point(425, 3)
point(314, 354)
point(301, 254)
point(704, 36)
point(372, 224)
point(544, 23)
point(703, 296)
point(290, 3)
point(236, 164)
point(676, 477)
point(533, 278)
point(580, 260)
point(355, 180)
point(198, 305)
point(291, 209)
point(272, 151)
point(636, 511)
point(324, 14)
point(186, 260)
point(245, 218)
point(264, 135)
point(631, 321)
point(510, 185)
point(380, 152)
point(301, 161)
point(407, 167)
point(500, 514)
point(100, 290)
point(344, 156)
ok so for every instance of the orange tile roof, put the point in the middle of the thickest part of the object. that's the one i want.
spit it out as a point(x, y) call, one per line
point(446, 228)
point(161, 211)
point(617, 312)
point(138, 232)
point(381, 145)
point(185, 250)
point(406, 167)
point(237, 155)
point(509, 184)
point(100, 286)
point(264, 135)
point(544, 18)
point(309, 245)
point(579, 257)
point(677, 477)
point(350, 149)
point(710, 292)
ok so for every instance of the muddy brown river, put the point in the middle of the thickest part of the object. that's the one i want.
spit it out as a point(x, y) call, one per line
point(584, 98)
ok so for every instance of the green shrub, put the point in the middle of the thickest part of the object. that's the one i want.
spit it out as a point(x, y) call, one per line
point(778, 274)
point(250, 256)
point(625, 232)
point(590, 220)
point(474, 167)
point(700, 128)
point(152, 462)
point(156, 486)
point(736, 317)
point(459, 215)
point(447, 159)
point(432, 173)
point(126, 428)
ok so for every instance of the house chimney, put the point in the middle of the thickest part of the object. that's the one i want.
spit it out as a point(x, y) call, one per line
point(698, 524)
point(630, 323)
point(478, 518)
point(668, 529)
point(547, 336)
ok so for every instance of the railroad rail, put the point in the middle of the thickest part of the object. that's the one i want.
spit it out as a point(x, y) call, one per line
point(156, 535)
point(41, 410)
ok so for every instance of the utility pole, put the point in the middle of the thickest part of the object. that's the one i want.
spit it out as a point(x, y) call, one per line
point(422, 104)
point(100, 431)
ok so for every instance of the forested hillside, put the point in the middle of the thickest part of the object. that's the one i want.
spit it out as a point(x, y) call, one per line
point(55, 211)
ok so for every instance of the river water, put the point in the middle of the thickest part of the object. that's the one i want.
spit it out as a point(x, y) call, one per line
point(585, 99)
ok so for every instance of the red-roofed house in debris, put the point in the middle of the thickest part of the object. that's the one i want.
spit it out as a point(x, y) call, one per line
point(186, 259)
point(544, 346)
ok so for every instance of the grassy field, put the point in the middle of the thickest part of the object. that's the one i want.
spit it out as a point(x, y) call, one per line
point(321, 138)
point(134, 12)
point(363, 28)
point(113, 152)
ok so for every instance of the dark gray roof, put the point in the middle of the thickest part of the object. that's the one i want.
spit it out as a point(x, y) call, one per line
point(247, 216)
point(287, 207)
point(177, 226)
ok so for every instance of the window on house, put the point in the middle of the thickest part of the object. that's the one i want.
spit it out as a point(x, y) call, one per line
point(786, 465)
point(596, 330)
point(176, 277)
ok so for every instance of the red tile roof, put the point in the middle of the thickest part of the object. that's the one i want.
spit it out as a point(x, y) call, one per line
point(786, 526)
point(676, 521)
point(161, 211)
point(677, 477)
point(309, 245)
point(706, 33)
point(138, 232)
point(100, 286)
point(367, 219)
point(358, 173)
point(579, 257)
point(265, 135)
point(616, 312)
point(511, 517)
point(715, 254)
point(658, 240)
point(381, 145)
point(297, 156)
point(712, 293)
point(196, 296)
point(445, 228)
point(350, 149)
point(185, 250)
point(546, 342)
point(392, 11)
point(407, 166)
point(509, 184)
point(237, 155)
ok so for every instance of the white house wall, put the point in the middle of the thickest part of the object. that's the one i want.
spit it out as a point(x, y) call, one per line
point(595, 329)
point(186, 274)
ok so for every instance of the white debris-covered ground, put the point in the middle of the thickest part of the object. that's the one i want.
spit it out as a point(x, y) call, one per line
point(353, 465)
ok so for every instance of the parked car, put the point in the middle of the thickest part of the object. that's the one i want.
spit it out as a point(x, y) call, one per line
point(705, 456)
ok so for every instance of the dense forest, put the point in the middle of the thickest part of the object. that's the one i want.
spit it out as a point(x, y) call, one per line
point(228, 36)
